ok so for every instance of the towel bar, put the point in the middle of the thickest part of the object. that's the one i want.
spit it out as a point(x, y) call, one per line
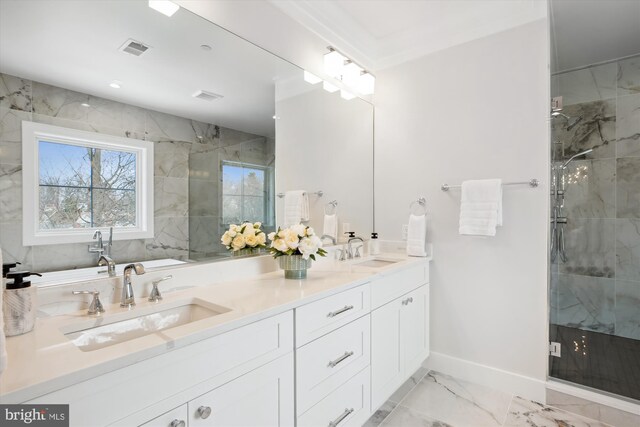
point(533, 183)
point(318, 193)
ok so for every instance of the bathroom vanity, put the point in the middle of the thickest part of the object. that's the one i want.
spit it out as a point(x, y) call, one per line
point(264, 350)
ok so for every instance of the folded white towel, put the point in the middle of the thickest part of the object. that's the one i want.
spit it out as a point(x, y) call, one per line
point(481, 207)
point(330, 226)
point(417, 235)
point(296, 207)
point(3, 344)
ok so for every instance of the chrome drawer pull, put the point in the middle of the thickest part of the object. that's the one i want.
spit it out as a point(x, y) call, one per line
point(346, 354)
point(342, 310)
point(177, 423)
point(204, 412)
point(338, 420)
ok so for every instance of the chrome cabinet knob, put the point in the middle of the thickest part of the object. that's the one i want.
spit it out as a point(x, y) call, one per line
point(178, 423)
point(204, 412)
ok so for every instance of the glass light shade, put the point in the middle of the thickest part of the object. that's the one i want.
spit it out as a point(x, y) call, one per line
point(351, 74)
point(333, 63)
point(165, 7)
point(346, 95)
point(311, 78)
point(366, 84)
point(329, 87)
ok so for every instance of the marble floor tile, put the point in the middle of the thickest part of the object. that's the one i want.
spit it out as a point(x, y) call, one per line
point(592, 410)
point(628, 249)
point(586, 303)
point(409, 385)
point(381, 414)
point(628, 126)
point(405, 417)
point(532, 414)
point(457, 402)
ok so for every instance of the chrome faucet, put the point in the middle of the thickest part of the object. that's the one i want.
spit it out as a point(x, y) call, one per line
point(99, 247)
point(128, 299)
point(328, 236)
point(111, 265)
point(350, 249)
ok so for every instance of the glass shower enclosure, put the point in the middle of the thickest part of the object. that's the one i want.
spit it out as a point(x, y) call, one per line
point(594, 249)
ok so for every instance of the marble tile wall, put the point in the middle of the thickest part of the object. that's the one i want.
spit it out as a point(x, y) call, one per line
point(598, 288)
point(176, 139)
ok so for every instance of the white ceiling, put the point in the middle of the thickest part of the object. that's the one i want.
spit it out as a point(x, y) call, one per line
point(383, 33)
point(74, 44)
point(588, 32)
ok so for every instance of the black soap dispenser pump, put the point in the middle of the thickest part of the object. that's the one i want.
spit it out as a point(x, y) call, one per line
point(19, 303)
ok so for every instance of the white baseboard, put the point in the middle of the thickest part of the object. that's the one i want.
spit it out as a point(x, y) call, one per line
point(497, 379)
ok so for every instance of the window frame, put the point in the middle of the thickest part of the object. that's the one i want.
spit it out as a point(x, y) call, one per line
point(269, 216)
point(32, 134)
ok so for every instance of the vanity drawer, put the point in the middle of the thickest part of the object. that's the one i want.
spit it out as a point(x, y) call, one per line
point(388, 288)
point(324, 364)
point(321, 317)
point(346, 406)
point(165, 420)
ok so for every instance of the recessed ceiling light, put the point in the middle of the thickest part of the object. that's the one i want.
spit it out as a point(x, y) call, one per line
point(116, 84)
point(165, 7)
point(329, 87)
point(205, 47)
point(84, 104)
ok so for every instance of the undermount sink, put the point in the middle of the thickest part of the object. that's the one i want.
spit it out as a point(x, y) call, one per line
point(107, 331)
point(377, 262)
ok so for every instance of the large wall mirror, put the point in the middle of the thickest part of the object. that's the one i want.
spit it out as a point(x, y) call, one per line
point(100, 99)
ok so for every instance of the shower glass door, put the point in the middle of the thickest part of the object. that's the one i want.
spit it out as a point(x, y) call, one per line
point(595, 200)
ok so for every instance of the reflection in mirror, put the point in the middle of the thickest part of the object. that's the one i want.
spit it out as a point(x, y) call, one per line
point(204, 98)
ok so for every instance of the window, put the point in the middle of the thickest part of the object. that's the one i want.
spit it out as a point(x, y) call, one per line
point(246, 193)
point(77, 181)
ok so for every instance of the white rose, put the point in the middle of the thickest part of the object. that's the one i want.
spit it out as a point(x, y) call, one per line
point(238, 242)
point(257, 224)
point(251, 240)
point(309, 231)
point(307, 247)
point(280, 245)
point(249, 231)
point(232, 233)
point(272, 236)
point(292, 240)
point(299, 229)
point(316, 241)
point(262, 238)
point(226, 239)
point(233, 227)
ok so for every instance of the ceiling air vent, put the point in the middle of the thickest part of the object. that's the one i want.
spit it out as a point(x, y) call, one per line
point(207, 96)
point(134, 47)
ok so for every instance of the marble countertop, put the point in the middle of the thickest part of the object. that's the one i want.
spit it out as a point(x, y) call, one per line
point(45, 360)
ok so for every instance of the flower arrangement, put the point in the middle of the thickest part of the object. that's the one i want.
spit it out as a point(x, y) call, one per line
point(245, 235)
point(296, 240)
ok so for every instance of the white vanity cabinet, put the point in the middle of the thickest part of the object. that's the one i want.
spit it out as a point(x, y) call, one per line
point(399, 332)
point(175, 418)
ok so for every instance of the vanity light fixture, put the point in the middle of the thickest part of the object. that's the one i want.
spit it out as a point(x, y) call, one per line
point(346, 95)
point(311, 78)
point(351, 74)
point(329, 87)
point(165, 7)
point(116, 84)
point(334, 63)
point(84, 104)
point(366, 84)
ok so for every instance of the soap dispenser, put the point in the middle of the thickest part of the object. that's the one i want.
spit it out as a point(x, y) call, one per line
point(19, 303)
point(374, 244)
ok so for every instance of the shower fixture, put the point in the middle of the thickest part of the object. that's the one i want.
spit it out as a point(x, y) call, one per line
point(558, 220)
point(571, 121)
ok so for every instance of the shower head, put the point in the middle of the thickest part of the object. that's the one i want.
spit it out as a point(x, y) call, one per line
point(580, 154)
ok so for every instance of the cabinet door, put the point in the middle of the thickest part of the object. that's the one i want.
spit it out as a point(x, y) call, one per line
point(414, 332)
point(174, 418)
point(386, 357)
point(263, 397)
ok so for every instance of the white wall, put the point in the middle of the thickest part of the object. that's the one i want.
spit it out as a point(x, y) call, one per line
point(477, 110)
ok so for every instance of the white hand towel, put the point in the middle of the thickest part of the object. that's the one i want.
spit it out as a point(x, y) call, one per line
point(296, 207)
point(3, 342)
point(417, 235)
point(481, 207)
point(330, 226)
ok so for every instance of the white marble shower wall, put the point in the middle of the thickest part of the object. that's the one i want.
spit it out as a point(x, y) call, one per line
point(598, 288)
point(175, 139)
